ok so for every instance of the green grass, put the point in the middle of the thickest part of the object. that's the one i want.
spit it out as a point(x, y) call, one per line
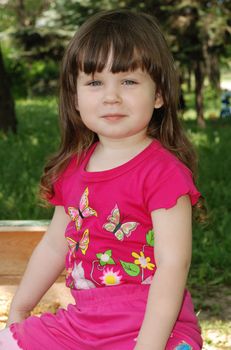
point(23, 155)
point(212, 243)
point(22, 159)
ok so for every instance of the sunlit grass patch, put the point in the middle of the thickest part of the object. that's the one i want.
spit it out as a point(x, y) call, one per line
point(216, 335)
point(212, 104)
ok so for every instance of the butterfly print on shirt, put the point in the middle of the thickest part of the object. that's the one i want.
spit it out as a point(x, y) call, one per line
point(82, 244)
point(114, 225)
point(82, 212)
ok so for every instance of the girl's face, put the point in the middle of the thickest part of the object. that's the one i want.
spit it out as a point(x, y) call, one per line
point(117, 105)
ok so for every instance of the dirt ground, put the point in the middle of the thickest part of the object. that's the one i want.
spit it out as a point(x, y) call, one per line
point(213, 308)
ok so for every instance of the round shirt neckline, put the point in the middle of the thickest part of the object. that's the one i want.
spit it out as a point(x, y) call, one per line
point(119, 170)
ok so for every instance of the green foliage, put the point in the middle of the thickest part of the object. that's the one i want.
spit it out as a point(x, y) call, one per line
point(42, 76)
point(16, 70)
point(40, 31)
point(212, 103)
point(212, 242)
point(22, 159)
point(30, 77)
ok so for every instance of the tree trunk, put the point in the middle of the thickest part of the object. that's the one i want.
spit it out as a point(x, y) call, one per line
point(20, 11)
point(199, 79)
point(188, 79)
point(214, 72)
point(8, 119)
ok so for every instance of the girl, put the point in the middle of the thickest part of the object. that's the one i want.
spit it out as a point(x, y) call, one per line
point(123, 190)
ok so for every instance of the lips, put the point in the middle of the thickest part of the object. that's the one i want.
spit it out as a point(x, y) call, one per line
point(113, 117)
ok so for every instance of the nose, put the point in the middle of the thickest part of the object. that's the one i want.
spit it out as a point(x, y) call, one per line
point(112, 94)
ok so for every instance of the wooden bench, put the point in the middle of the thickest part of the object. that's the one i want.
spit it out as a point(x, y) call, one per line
point(17, 241)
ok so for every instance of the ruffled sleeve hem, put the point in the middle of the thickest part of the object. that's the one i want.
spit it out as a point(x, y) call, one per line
point(177, 183)
point(173, 201)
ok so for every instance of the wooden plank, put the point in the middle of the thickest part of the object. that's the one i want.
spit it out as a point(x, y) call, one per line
point(23, 225)
point(14, 280)
point(17, 242)
point(15, 250)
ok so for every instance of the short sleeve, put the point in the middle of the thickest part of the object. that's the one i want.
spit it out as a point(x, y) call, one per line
point(57, 198)
point(164, 191)
point(63, 181)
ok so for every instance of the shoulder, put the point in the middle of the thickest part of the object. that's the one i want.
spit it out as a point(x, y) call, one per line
point(162, 162)
point(68, 169)
point(74, 163)
point(166, 180)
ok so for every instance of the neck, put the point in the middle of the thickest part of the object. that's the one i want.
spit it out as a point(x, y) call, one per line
point(130, 143)
point(112, 153)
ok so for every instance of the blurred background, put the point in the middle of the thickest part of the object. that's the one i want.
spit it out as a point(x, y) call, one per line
point(33, 36)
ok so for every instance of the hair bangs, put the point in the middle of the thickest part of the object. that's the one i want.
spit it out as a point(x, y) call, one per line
point(115, 46)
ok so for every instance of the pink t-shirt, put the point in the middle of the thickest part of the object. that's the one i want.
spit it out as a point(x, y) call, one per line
point(110, 235)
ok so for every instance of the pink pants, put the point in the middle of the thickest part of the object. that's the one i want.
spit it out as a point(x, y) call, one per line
point(106, 318)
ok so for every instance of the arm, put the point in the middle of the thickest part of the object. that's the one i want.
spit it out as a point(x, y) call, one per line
point(45, 265)
point(173, 256)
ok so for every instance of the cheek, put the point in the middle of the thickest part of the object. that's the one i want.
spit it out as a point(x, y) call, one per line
point(146, 99)
point(82, 98)
point(146, 105)
point(87, 103)
point(83, 107)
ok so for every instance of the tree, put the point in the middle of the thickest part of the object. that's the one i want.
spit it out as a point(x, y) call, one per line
point(198, 32)
point(189, 42)
point(8, 119)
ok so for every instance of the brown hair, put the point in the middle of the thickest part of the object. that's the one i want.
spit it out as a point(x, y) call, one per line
point(136, 42)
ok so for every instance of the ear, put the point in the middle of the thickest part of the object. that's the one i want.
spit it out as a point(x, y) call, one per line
point(158, 100)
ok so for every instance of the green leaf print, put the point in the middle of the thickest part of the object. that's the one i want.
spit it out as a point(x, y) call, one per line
point(150, 238)
point(111, 261)
point(130, 268)
point(108, 252)
point(105, 258)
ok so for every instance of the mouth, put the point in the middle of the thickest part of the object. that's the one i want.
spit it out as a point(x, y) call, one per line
point(113, 117)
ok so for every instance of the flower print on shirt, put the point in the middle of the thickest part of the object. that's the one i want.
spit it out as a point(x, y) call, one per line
point(115, 225)
point(83, 211)
point(80, 281)
point(133, 269)
point(142, 261)
point(110, 277)
point(105, 258)
point(100, 264)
